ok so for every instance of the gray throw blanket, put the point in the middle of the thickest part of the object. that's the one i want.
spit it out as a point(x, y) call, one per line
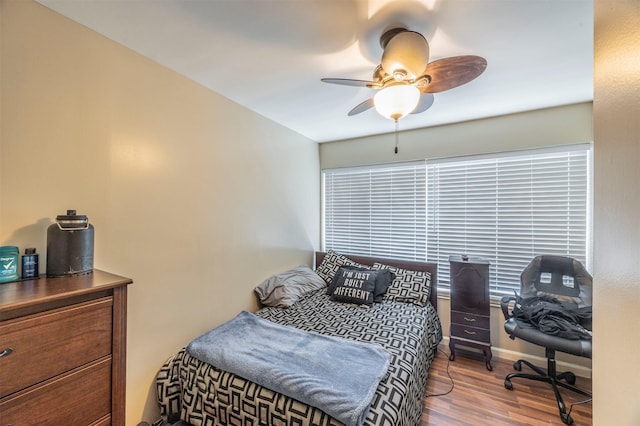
point(337, 375)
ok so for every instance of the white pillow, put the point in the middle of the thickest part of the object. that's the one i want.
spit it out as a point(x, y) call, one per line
point(285, 289)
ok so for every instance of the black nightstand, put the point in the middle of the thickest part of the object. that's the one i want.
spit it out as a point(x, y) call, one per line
point(470, 324)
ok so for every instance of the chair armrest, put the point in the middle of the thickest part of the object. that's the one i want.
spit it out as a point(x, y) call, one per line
point(505, 302)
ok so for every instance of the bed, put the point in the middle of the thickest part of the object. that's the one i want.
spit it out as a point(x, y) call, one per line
point(405, 323)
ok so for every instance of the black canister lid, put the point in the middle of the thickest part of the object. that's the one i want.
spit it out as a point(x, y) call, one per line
point(71, 215)
point(29, 251)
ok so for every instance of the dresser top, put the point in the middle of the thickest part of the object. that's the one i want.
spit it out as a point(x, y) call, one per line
point(468, 259)
point(21, 294)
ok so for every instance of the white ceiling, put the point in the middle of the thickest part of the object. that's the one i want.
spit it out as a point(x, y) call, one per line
point(269, 55)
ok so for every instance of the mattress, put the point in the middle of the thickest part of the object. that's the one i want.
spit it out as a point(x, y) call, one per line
point(201, 394)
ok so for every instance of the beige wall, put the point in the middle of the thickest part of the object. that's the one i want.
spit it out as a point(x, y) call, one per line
point(194, 197)
point(183, 185)
point(554, 126)
point(616, 107)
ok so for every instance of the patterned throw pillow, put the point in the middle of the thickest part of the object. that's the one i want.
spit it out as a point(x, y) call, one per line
point(354, 286)
point(408, 286)
point(330, 264)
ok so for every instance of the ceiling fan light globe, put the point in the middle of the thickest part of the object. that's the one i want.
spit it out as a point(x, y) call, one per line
point(397, 101)
point(406, 52)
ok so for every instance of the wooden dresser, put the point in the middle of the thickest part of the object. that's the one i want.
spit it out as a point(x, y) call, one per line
point(470, 305)
point(63, 350)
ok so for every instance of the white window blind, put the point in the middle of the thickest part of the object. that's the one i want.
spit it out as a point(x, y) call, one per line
point(506, 208)
point(376, 210)
point(509, 208)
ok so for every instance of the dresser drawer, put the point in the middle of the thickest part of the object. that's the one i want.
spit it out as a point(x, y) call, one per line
point(471, 333)
point(80, 397)
point(472, 320)
point(50, 343)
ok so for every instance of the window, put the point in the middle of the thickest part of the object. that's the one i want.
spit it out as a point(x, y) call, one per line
point(509, 208)
point(376, 211)
point(506, 207)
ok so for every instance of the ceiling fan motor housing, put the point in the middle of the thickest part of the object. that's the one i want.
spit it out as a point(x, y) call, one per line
point(405, 55)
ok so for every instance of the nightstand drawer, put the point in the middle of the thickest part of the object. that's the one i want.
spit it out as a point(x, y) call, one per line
point(471, 333)
point(44, 345)
point(472, 320)
point(80, 397)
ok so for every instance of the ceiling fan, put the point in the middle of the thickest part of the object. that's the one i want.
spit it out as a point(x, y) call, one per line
point(406, 80)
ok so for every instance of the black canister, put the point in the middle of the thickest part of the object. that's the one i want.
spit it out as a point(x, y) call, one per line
point(69, 245)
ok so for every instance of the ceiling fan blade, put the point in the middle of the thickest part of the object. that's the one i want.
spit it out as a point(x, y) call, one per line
point(351, 82)
point(426, 100)
point(361, 107)
point(452, 72)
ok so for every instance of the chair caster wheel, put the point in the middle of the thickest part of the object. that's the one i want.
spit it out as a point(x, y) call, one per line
point(508, 385)
point(517, 366)
point(569, 377)
point(566, 419)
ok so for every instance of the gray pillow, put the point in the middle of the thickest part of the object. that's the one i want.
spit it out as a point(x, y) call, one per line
point(285, 289)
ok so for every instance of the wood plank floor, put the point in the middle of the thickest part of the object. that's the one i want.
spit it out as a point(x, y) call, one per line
point(480, 398)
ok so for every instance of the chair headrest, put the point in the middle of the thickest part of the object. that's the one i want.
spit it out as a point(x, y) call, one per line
point(557, 276)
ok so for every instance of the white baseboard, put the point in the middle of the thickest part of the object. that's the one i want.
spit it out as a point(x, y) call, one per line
point(509, 355)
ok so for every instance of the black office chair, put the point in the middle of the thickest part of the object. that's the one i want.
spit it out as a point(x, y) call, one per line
point(566, 280)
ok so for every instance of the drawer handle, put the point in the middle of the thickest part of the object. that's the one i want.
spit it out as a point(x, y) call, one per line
point(6, 352)
point(470, 319)
point(470, 332)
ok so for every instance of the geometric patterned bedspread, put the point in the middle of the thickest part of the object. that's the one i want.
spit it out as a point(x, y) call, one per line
point(200, 394)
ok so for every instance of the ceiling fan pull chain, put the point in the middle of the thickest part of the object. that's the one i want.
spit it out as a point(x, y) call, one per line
point(396, 150)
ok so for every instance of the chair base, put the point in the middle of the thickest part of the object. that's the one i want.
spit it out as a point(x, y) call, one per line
point(550, 376)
